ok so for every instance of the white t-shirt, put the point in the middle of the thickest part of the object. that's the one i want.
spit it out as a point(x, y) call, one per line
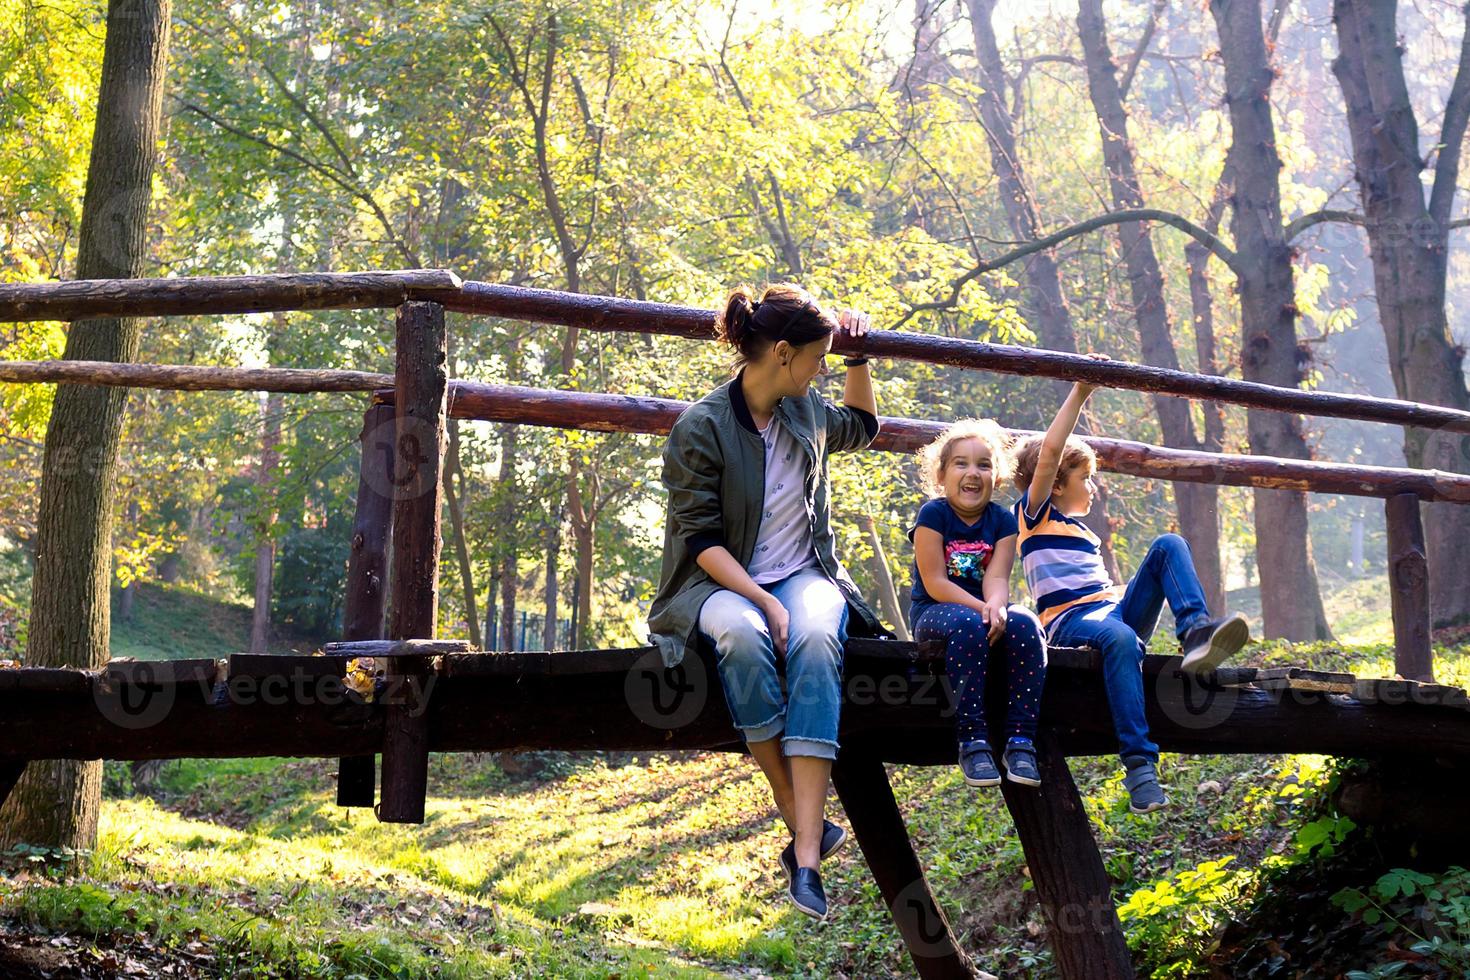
point(784, 545)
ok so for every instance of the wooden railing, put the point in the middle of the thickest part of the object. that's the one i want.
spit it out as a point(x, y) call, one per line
point(1402, 488)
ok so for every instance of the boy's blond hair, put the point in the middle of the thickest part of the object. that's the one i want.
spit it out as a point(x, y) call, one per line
point(1076, 454)
point(934, 457)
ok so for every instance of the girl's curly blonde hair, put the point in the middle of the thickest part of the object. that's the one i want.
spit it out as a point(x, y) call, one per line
point(934, 457)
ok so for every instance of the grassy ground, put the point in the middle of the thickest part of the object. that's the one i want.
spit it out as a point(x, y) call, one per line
point(664, 867)
point(616, 866)
point(169, 623)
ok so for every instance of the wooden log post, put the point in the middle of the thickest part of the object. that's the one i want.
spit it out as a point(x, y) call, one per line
point(1408, 582)
point(862, 784)
point(367, 573)
point(420, 411)
point(1076, 899)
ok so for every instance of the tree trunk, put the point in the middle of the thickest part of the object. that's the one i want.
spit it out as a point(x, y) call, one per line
point(582, 588)
point(1042, 299)
point(454, 471)
point(553, 574)
point(509, 574)
point(1202, 304)
point(265, 544)
point(1291, 601)
point(128, 595)
point(1408, 241)
point(888, 601)
point(1198, 506)
point(582, 515)
point(56, 803)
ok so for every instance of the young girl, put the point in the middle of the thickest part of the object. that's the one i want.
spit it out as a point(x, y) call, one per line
point(964, 547)
point(1080, 605)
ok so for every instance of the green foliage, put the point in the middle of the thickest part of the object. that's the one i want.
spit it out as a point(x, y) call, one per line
point(1428, 914)
point(1174, 924)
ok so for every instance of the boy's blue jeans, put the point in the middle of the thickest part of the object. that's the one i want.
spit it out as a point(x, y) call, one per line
point(809, 710)
point(1121, 631)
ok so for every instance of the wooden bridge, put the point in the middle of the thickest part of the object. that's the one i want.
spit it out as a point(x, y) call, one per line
point(438, 695)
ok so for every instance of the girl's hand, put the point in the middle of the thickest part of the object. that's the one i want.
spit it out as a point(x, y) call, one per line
point(994, 615)
point(778, 620)
point(854, 323)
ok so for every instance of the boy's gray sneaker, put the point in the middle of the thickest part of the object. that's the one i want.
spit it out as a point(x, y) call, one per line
point(1206, 647)
point(977, 764)
point(1141, 779)
point(1020, 760)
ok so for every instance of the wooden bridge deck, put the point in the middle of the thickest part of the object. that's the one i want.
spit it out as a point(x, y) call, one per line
point(897, 707)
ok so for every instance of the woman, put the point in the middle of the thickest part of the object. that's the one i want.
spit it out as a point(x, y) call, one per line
point(750, 562)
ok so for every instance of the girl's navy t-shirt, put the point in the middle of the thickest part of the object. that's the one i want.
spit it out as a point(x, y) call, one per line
point(967, 547)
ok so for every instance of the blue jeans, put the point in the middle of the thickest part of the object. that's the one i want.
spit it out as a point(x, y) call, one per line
point(1121, 631)
point(749, 672)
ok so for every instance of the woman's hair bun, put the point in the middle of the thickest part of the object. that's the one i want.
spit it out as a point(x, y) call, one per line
point(733, 326)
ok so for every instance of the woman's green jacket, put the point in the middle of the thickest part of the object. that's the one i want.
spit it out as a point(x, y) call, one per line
point(714, 471)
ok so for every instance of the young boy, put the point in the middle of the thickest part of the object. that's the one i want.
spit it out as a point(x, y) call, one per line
point(1080, 605)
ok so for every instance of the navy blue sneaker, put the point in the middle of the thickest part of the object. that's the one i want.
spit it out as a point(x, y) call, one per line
point(833, 837)
point(1020, 760)
point(977, 764)
point(806, 893)
point(1141, 780)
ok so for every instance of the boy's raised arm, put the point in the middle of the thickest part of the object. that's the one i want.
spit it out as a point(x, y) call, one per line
point(1052, 444)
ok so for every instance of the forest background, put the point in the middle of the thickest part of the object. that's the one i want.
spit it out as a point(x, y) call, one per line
point(878, 154)
point(668, 152)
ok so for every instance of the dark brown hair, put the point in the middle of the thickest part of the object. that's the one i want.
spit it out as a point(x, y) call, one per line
point(1076, 454)
point(784, 311)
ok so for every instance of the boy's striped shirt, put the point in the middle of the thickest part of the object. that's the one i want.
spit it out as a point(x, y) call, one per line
point(1062, 561)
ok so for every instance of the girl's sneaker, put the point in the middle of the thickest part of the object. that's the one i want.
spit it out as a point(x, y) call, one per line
point(977, 764)
point(1020, 760)
point(1141, 779)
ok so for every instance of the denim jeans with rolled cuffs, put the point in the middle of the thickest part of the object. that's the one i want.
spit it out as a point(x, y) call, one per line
point(808, 711)
point(1121, 630)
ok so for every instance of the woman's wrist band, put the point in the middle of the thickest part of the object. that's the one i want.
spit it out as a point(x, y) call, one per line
point(854, 361)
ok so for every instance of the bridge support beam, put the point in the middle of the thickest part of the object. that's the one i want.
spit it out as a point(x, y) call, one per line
point(1076, 899)
point(422, 385)
point(862, 784)
point(367, 574)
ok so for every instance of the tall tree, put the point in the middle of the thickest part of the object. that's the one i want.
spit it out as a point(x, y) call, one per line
point(1291, 601)
point(1043, 299)
point(1408, 237)
point(56, 803)
point(1197, 503)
